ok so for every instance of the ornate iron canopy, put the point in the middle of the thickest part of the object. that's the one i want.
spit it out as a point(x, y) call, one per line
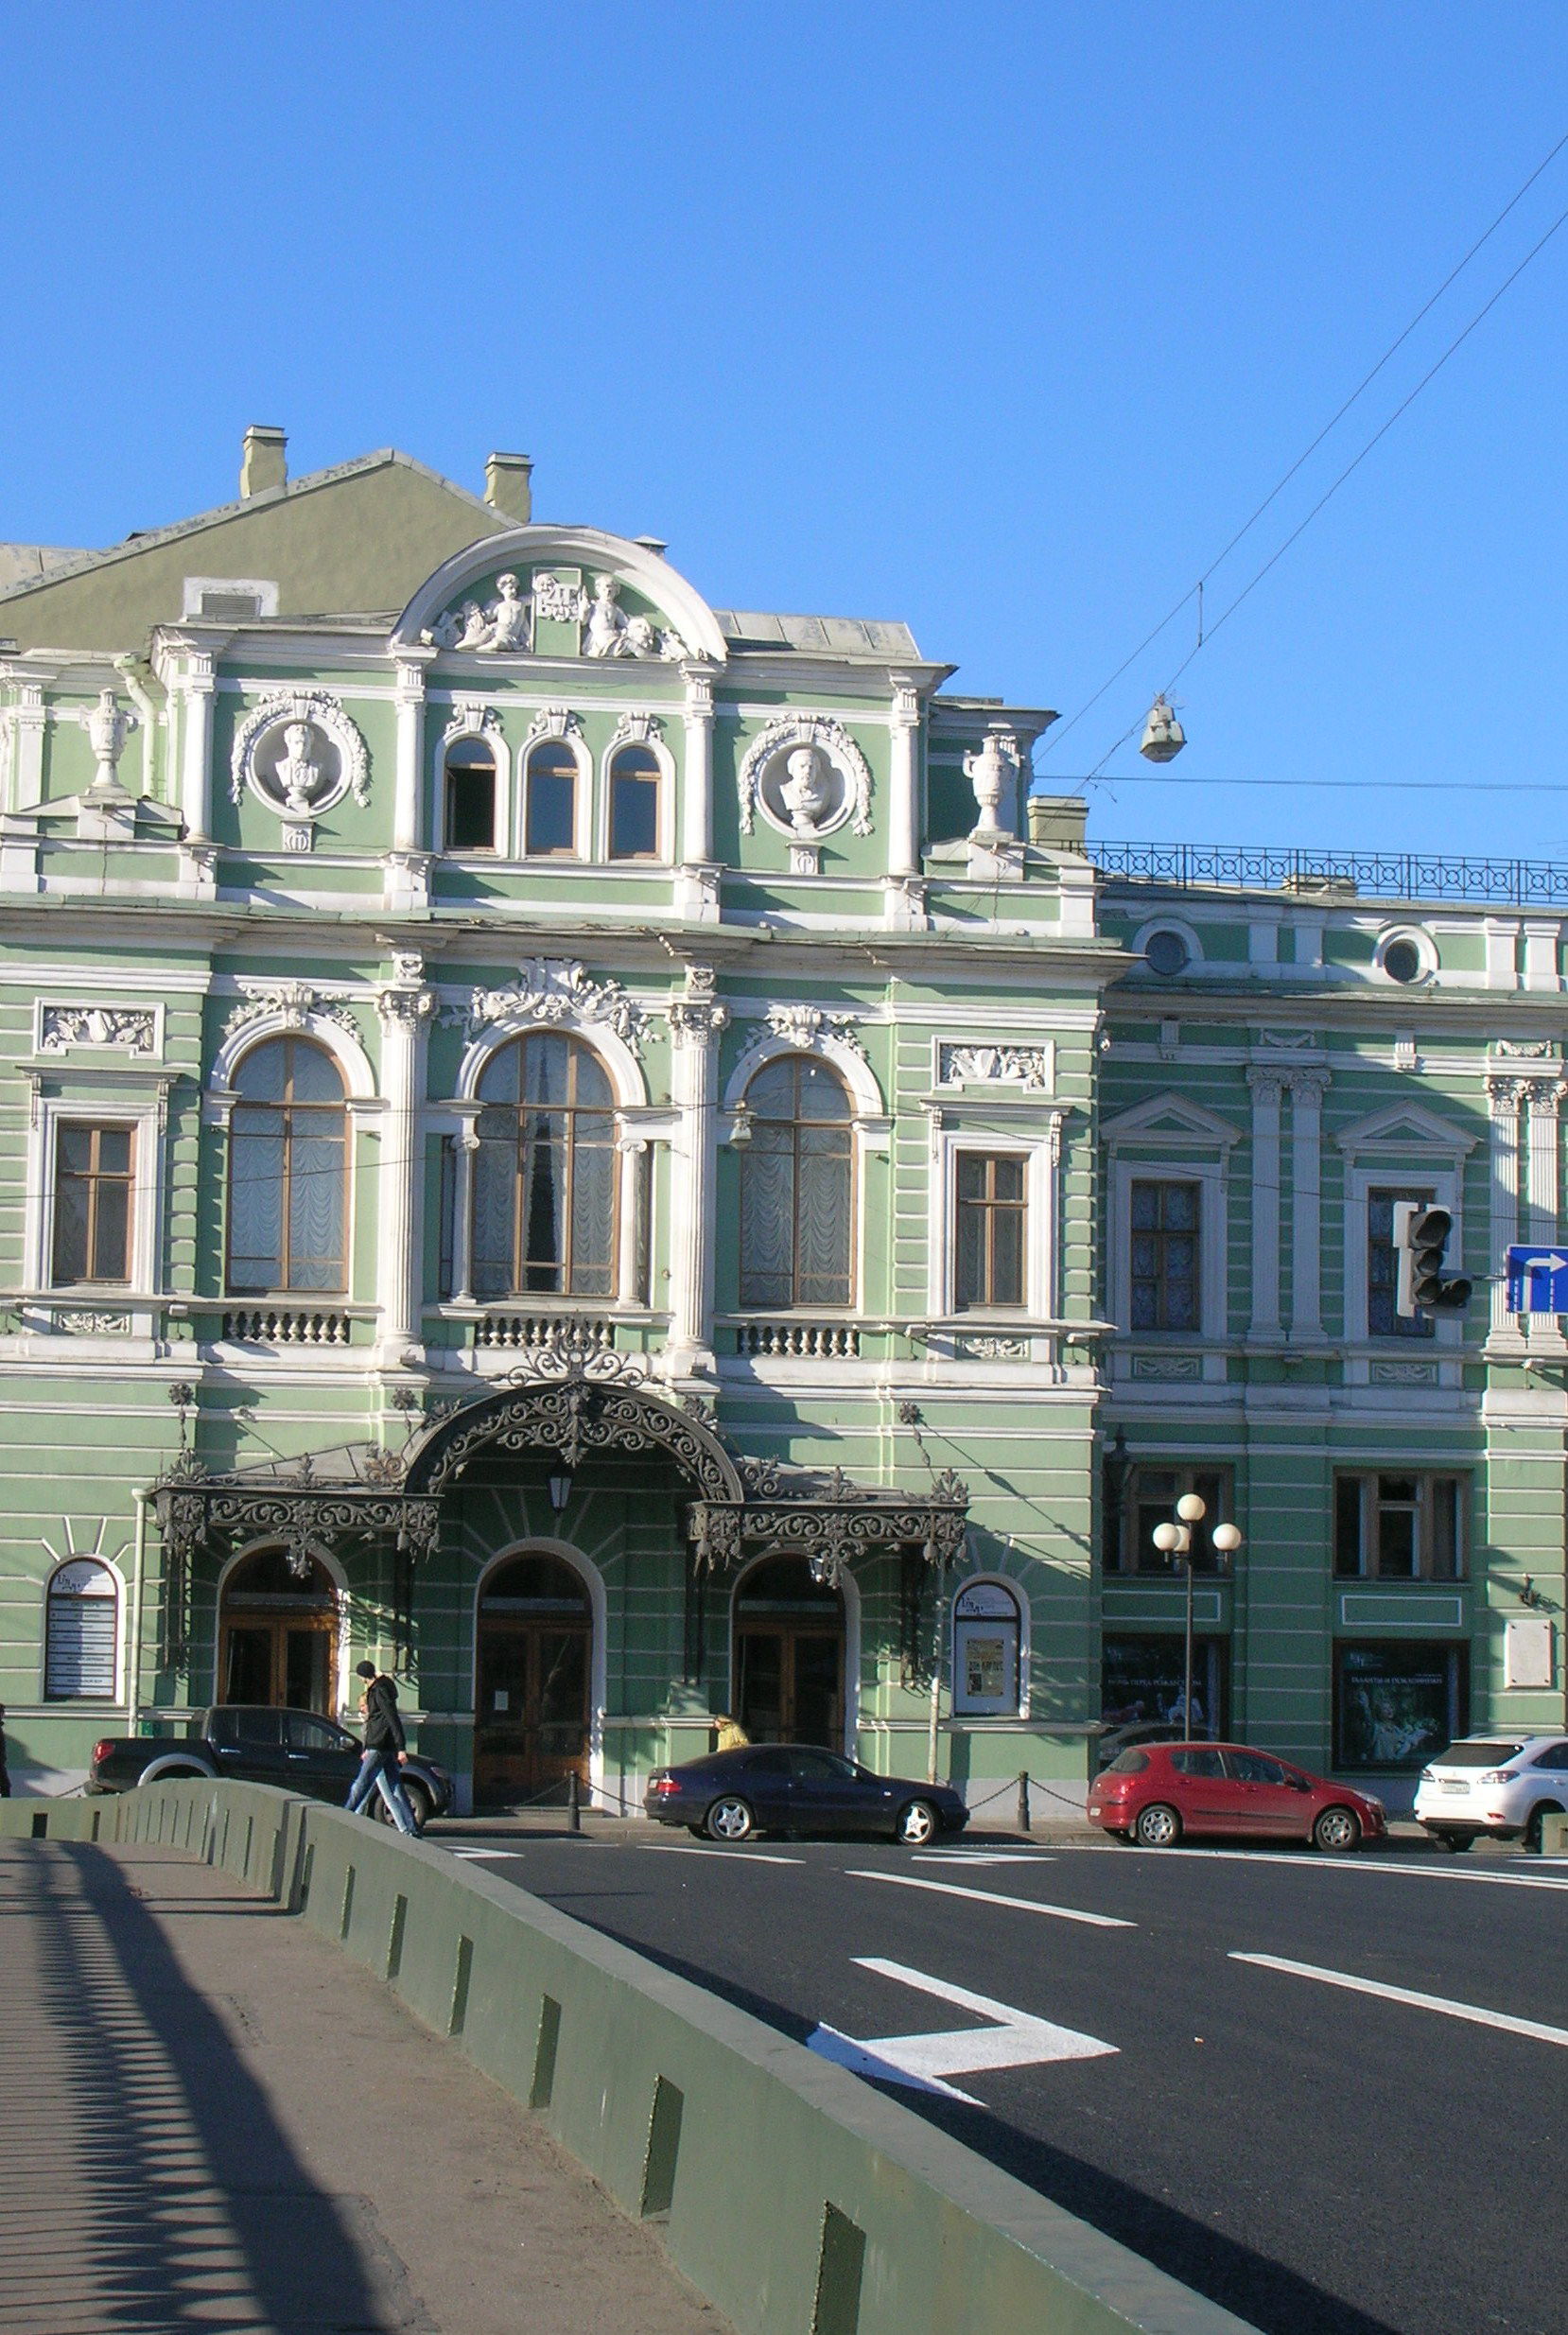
point(828, 1519)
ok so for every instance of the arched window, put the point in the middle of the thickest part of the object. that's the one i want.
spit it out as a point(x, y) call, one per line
point(798, 1202)
point(550, 801)
point(985, 1634)
point(635, 804)
point(80, 1633)
point(288, 1172)
point(470, 813)
point(544, 1173)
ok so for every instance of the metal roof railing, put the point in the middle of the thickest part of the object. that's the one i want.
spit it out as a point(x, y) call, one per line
point(1346, 875)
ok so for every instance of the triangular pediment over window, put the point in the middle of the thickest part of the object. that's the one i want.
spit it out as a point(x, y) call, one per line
point(1406, 1127)
point(1169, 1117)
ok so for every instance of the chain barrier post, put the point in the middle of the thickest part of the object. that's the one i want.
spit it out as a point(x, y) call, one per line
point(1026, 1822)
point(574, 1805)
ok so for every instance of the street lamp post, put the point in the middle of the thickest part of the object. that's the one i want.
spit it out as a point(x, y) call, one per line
point(1176, 1541)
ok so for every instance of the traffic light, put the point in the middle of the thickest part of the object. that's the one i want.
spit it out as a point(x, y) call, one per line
point(1420, 1236)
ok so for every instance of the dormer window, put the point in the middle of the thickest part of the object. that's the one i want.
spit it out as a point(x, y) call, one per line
point(471, 789)
point(635, 804)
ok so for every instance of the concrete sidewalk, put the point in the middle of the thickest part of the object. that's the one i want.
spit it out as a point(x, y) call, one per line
point(210, 2119)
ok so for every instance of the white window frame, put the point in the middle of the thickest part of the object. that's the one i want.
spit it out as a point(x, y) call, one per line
point(1362, 1178)
point(664, 848)
point(145, 1114)
point(582, 818)
point(1018, 1708)
point(1041, 1153)
point(1209, 1176)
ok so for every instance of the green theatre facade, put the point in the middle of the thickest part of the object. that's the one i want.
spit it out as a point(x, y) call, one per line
point(603, 1153)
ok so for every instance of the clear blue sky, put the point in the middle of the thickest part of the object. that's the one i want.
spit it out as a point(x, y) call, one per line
point(999, 318)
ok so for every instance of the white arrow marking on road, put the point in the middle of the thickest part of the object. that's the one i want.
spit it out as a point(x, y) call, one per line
point(980, 1857)
point(1535, 2028)
point(990, 1897)
point(922, 2063)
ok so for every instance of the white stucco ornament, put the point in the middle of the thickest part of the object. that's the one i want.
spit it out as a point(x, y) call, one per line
point(298, 754)
point(993, 773)
point(107, 726)
point(612, 633)
point(808, 778)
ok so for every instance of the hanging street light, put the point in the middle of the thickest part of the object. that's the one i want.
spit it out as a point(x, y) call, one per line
point(1176, 1541)
point(560, 1492)
point(1163, 736)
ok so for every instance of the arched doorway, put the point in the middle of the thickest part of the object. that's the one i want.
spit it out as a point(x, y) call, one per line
point(789, 1655)
point(535, 1664)
point(277, 1635)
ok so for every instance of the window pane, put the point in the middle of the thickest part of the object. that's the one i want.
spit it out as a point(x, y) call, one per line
point(823, 1264)
point(969, 1277)
point(73, 1150)
point(114, 1151)
point(261, 1075)
point(1446, 1563)
point(767, 1220)
point(1008, 1178)
point(314, 1075)
point(111, 1244)
point(1346, 1526)
point(593, 1207)
point(471, 810)
point(552, 803)
point(633, 816)
point(255, 1201)
point(1397, 1543)
point(772, 1092)
point(71, 1229)
point(972, 1175)
point(544, 1200)
point(1007, 1255)
point(495, 1200)
point(547, 1071)
point(315, 1209)
point(822, 1092)
point(1146, 1207)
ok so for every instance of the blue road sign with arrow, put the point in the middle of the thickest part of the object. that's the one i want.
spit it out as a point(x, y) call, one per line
point(1538, 1281)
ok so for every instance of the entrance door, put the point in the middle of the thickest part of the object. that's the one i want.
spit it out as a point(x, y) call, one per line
point(789, 1656)
point(536, 1643)
point(277, 1639)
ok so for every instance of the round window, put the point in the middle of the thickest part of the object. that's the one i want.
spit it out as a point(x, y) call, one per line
point(1167, 953)
point(1401, 961)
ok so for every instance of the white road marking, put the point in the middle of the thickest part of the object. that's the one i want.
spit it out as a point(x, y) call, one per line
point(739, 1856)
point(988, 1897)
point(1354, 1864)
point(923, 2063)
point(459, 1849)
point(1535, 2028)
point(980, 1856)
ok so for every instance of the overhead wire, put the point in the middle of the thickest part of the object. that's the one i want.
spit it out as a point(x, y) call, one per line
point(1206, 633)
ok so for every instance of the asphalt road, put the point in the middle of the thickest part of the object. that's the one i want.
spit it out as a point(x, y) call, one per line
point(1321, 2159)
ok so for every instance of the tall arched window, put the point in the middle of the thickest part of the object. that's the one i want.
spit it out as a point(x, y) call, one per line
point(544, 1173)
point(81, 1632)
point(470, 810)
point(797, 1197)
point(550, 801)
point(635, 804)
point(288, 1172)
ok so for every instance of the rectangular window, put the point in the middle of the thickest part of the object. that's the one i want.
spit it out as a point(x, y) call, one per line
point(92, 1228)
point(1149, 1498)
point(1397, 1705)
point(1165, 1255)
point(1383, 1321)
point(633, 810)
point(991, 1210)
point(1409, 1527)
point(1143, 1686)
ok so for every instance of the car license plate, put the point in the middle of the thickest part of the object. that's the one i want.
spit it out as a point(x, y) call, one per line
point(1454, 1787)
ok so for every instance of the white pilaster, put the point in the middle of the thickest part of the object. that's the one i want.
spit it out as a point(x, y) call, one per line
point(462, 1207)
point(408, 700)
point(1307, 1089)
point(1503, 1096)
point(1545, 1097)
point(1267, 1085)
point(404, 1009)
point(695, 1021)
point(903, 794)
point(697, 799)
point(197, 689)
point(31, 721)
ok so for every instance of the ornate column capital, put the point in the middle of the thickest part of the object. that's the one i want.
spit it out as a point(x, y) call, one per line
point(1505, 1094)
point(404, 1008)
point(906, 700)
point(697, 1021)
point(1309, 1081)
point(1267, 1084)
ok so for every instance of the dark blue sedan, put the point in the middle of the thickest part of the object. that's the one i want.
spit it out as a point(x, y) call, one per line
point(793, 1788)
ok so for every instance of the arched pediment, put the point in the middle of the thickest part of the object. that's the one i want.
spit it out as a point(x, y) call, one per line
point(574, 1412)
point(561, 591)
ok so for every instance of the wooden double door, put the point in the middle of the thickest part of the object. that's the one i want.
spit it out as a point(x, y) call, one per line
point(535, 1678)
point(789, 1656)
point(277, 1639)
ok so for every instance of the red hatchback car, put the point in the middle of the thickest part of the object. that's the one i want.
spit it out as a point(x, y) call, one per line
point(1158, 1793)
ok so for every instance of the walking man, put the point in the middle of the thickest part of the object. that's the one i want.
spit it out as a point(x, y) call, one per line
point(385, 1750)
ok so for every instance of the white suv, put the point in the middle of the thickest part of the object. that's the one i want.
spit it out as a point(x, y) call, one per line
point(1498, 1784)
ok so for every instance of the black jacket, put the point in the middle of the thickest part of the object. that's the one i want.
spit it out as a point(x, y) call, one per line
point(383, 1728)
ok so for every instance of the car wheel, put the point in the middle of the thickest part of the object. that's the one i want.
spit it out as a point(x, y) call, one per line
point(421, 1805)
point(1534, 1834)
point(1158, 1827)
point(729, 1819)
point(1338, 1831)
point(917, 1824)
point(1456, 1842)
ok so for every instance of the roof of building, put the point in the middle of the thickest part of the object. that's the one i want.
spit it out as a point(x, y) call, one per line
point(828, 636)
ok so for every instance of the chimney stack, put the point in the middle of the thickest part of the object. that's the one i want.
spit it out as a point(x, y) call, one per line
point(262, 464)
point(507, 487)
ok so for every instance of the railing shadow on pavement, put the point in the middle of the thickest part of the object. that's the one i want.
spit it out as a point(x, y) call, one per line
point(181, 2201)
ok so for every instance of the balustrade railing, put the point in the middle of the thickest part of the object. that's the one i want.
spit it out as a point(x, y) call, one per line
point(509, 1332)
point(266, 1325)
point(798, 1341)
point(1371, 875)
